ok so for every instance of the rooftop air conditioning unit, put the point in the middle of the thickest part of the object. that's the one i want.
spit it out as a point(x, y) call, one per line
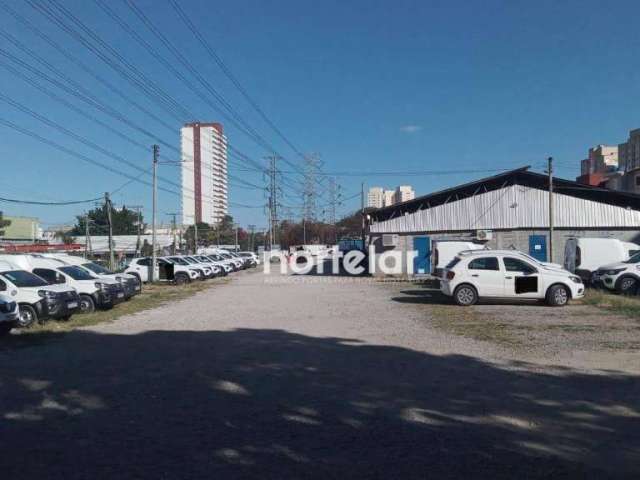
point(484, 234)
point(389, 240)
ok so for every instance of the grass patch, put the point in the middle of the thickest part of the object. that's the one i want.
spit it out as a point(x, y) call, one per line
point(619, 304)
point(152, 296)
point(467, 322)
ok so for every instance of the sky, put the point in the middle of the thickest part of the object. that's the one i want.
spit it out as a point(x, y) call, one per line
point(459, 89)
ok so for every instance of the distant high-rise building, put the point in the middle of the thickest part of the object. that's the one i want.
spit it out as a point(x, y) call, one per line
point(387, 197)
point(375, 198)
point(629, 152)
point(629, 158)
point(379, 197)
point(403, 193)
point(204, 173)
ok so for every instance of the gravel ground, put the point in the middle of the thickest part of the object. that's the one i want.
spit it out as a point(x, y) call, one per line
point(302, 377)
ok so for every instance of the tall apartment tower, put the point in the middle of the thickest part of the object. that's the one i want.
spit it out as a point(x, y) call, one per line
point(375, 198)
point(204, 173)
point(404, 193)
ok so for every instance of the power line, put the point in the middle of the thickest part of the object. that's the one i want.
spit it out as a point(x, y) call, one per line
point(33, 202)
point(230, 75)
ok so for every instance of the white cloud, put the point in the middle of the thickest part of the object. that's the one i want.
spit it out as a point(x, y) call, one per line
point(410, 128)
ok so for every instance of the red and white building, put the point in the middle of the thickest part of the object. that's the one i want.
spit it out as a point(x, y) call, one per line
point(204, 173)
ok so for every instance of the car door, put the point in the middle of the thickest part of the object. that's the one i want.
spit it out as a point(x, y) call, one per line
point(141, 267)
point(521, 278)
point(486, 275)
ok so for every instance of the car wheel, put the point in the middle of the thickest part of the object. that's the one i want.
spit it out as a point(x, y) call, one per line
point(465, 295)
point(28, 316)
point(87, 305)
point(557, 296)
point(628, 286)
point(5, 328)
point(181, 279)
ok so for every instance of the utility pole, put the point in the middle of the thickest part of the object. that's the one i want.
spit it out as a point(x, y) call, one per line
point(304, 231)
point(252, 230)
point(156, 152)
point(362, 212)
point(237, 226)
point(173, 230)
point(107, 206)
point(87, 239)
point(334, 200)
point(550, 171)
point(138, 209)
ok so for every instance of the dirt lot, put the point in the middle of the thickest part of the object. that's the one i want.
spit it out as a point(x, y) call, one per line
point(282, 377)
point(582, 334)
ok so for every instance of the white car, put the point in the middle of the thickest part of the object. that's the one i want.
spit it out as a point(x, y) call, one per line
point(477, 274)
point(9, 314)
point(165, 270)
point(623, 277)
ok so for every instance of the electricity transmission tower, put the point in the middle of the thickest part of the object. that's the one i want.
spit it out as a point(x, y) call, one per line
point(312, 168)
point(272, 204)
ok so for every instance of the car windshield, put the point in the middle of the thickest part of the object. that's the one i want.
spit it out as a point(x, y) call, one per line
point(192, 260)
point(635, 258)
point(77, 273)
point(22, 278)
point(202, 258)
point(225, 255)
point(215, 258)
point(179, 261)
point(95, 268)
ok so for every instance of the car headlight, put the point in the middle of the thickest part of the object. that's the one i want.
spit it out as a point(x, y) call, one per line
point(615, 271)
point(47, 294)
point(101, 286)
point(120, 279)
point(575, 279)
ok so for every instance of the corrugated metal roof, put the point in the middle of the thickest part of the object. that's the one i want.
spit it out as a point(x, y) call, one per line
point(520, 176)
point(511, 207)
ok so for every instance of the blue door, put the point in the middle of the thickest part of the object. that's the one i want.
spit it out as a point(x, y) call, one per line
point(422, 261)
point(538, 247)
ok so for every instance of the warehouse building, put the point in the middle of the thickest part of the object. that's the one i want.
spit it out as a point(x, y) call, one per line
point(506, 211)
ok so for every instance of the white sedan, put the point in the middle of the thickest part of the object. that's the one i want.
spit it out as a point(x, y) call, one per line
point(509, 274)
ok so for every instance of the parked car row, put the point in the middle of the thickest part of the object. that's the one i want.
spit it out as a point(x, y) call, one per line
point(37, 287)
point(182, 269)
point(57, 286)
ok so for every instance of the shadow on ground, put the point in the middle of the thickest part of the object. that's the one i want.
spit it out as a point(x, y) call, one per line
point(429, 296)
point(273, 404)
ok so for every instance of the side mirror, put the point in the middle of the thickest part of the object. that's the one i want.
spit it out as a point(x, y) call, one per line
point(60, 278)
point(3, 287)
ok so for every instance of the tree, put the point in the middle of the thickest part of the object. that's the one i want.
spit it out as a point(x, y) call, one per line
point(125, 222)
point(64, 236)
point(3, 223)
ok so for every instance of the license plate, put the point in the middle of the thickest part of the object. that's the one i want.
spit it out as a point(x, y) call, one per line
point(72, 305)
point(120, 295)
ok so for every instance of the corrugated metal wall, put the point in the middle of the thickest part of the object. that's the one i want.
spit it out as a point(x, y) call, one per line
point(511, 207)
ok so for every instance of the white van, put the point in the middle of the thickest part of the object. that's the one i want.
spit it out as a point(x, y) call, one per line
point(444, 251)
point(94, 292)
point(37, 300)
point(583, 256)
point(130, 283)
